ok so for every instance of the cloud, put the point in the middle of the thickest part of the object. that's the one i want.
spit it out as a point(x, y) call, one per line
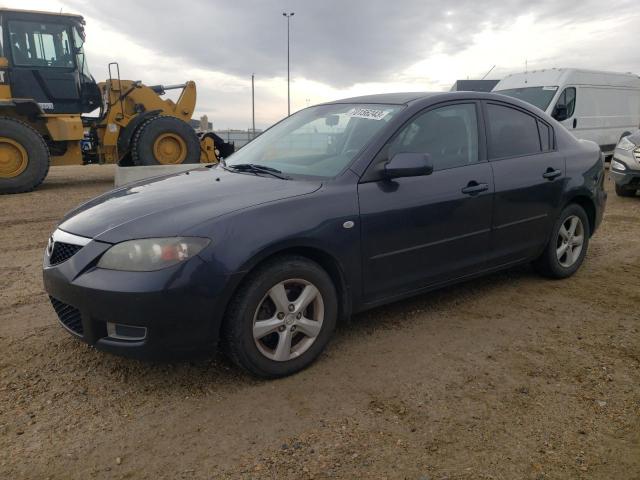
point(336, 42)
point(344, 48)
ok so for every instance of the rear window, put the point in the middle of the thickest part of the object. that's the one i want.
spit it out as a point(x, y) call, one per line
point(512, 133)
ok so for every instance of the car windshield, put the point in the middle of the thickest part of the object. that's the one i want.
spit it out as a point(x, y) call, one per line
point(318, 141)
point(538, 96)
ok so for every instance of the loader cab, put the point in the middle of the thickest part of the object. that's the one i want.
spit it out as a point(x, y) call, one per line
point(46, 61)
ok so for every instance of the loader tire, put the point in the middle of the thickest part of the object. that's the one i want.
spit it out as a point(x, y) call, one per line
point(24, 157)
point(164, 140)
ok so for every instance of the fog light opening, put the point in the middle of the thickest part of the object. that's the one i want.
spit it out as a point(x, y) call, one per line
point(118, 331)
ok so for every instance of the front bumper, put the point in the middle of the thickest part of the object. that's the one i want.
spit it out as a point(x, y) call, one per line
point(630, 177)
point(178, 309)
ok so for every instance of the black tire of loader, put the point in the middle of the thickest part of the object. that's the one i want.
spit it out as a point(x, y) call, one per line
point(148, 132)
point(37, 153)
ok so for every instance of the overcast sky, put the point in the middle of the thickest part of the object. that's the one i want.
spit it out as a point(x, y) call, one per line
point(342, 48)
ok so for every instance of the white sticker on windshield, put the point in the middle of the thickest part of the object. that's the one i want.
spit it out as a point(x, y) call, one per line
point(550, 88)
point(368, 113)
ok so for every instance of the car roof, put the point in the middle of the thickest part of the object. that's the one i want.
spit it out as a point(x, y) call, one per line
point(406, 98)
point(398, 98)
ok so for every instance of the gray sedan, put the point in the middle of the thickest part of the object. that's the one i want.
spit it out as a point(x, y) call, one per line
point(625, 165)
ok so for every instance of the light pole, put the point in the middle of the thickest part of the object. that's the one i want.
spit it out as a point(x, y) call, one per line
point(288, 15)
point(253, 109)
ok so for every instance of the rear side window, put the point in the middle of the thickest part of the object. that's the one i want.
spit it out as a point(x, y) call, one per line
point(546, 136)
point(512, 133)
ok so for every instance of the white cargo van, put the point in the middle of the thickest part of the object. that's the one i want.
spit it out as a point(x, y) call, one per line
point(598, 106)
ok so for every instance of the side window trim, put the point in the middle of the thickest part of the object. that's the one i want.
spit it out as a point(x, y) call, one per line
point(371, 174)
point(522, 110)
point(551, 147)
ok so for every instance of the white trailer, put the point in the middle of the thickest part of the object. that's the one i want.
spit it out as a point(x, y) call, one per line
point(592, 105)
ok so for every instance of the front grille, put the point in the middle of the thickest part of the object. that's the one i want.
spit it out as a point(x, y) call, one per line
point(69, 316)
point(63, 251)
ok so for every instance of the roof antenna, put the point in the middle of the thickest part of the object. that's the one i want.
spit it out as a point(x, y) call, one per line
point(485, 75)
point(526, 68)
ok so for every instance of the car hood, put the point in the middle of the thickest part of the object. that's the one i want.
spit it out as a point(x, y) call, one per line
point(169, 205)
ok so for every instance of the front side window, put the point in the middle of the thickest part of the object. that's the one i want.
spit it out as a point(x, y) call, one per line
point(512, 133)
point(566, 104)
point(448, 134)
point(37, 44)
point(319, 141)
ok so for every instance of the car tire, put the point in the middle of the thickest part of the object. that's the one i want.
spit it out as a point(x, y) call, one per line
point(25, 157)
point(567, 246)
point(625, 191)
point(260, 320)
point(164, 140)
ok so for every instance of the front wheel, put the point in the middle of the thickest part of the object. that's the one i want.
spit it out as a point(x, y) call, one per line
point(567, 245)
point(282, 318)
point(24, 157)
point(625, 191)
point(164, 140)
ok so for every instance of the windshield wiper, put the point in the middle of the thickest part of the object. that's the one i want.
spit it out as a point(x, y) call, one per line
point(255, 168)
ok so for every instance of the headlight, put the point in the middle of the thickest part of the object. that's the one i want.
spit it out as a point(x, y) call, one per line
point(616, 165)
point(626, 144)
point(149, 254)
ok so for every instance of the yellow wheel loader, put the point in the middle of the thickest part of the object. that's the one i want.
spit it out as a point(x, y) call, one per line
point(46, 91)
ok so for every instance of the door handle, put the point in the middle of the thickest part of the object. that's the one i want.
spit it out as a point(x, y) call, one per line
point(474, 188)
point(575, 122)
point(550, 174)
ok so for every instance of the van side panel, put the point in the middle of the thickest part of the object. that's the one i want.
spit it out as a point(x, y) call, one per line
point(607, 103)
point(603, 114)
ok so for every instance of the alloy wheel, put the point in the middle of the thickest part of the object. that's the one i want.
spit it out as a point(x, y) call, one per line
point(570, 241)
point(288, 319)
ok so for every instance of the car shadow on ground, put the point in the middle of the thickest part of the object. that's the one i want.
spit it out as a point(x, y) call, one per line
point(213, 372)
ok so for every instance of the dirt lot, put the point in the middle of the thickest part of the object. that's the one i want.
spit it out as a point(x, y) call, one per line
point(511, 376)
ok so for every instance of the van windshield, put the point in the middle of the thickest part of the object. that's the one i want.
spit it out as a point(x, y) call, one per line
point(537, 96)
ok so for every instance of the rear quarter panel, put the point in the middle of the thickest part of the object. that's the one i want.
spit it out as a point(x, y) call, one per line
point(584, 173)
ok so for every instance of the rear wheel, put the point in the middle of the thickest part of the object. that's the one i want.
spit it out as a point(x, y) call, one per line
point(282, 318)
point(625, 191)
point(567, 245)
point(164, 140)
point(24, 157)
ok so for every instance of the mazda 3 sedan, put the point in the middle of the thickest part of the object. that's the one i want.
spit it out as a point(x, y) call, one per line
point(336, 209)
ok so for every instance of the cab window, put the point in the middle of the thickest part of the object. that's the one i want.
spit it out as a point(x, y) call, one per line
point(566, 104)
point(37, 44)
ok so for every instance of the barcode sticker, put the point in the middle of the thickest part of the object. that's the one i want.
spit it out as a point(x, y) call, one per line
point(368, 113)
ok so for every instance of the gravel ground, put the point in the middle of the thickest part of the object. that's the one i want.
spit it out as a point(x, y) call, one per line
point(510, 376)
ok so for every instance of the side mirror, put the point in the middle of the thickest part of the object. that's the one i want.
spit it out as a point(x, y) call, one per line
point(560, 113)
point(408, 165)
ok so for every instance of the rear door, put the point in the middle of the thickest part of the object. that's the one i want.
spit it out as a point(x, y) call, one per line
point(419, 231)
point(529, 174)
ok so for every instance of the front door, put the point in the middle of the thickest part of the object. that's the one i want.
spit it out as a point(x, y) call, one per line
point(421, 231)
